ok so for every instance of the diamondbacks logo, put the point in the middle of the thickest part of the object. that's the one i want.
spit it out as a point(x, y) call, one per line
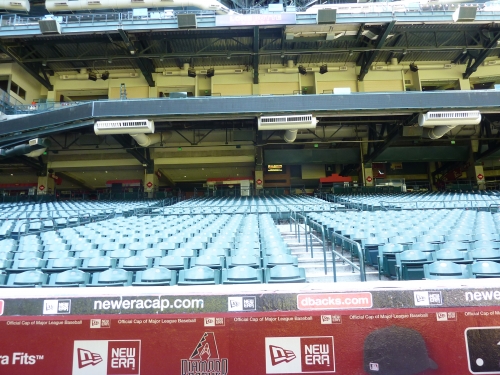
point(103, 357)
point(205, 358)
point(299, 355)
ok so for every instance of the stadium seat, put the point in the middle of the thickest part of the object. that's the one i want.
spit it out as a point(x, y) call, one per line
point(173, 262)
point(279, 260)
point(215, 251)
point(155, 276)
point(135, 263)
point(199, 276)
point(182, 253)
point(152, 253)
point(27, 279)
point(285, 274)
point(112, 277)
point(410, 264)
point(62, 264)
point(28, 254)
point(6, 255)
point(97, 264)
point(456, 256)
point(89, 253)
point(244, 260)
point(485, 254)
point(210, 261)
point(442, 270)
point(5, 263)
point(57, 254)
point(485, 269)
point(242, 275)
point(387, 260)
point(119, 253)
point(3, 278)
point(69, 278)
point(26, 265)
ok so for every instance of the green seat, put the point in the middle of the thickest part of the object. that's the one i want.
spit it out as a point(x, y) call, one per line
point(173, 262)
point(26, 279)
point(211, 261)
point(112, 277)
point(279, 260)
point(485, 254)
point(410, 264)
point(62, 264)
point(135, 263)
point(453, 255)
point(443, 270)
point(98, 264)
point(387, 260)
point(249, 260)
point(242, 275)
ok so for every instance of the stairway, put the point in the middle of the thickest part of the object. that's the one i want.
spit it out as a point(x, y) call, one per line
point(314, 266)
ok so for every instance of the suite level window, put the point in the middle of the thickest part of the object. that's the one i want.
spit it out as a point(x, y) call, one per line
point(4, 84)
point(16, 89)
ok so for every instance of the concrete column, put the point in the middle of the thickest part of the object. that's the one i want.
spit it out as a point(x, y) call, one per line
point(46, 185)
point(368, 175)
point(478, 176)
point(151, 184)
point(432, 168)
point(259, 176)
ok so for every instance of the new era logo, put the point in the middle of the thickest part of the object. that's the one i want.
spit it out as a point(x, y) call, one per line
point(241, 303)
point(57, 306)
point(87, 358)
point(427, 298)
point(299, 355)
point(279, 355)
point(103, 357)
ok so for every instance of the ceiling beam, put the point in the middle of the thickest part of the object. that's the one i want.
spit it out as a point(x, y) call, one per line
point(37, 164)
point(371, 56)
point(46, 83)
point(124, 141)
point(75, 180)
point(164, 177)
point(482, 55)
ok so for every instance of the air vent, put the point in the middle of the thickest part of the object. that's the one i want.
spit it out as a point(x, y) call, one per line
point(273, 70)
point(489, 63)
point(203, 71)
point(449, 118)
point(124, 127)
point(408, 82)
point(238, 71)
point(15, 4)
point(448, 66)
point(168, 73)
point(137, 1)
point(61, 4)
point(379, 67)
point(343, 68)
point(287, 122)
point(309, 69)
point(93, 2)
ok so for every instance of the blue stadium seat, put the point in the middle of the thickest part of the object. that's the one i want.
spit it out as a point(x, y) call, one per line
point(135, 263)
point(244, 260)
point(27, 254)
point(27, 279)
point(27, 264)
point(285, 274)
point(3, 278)
point(57, 254)
point(173, 262)
point(5, 263)
point(443, 270)
point(210, 261)
point(215, 251)
point(89, 253)
point(153, 253)
point(97, 264)
point(199, 276)
point(155, 276)
point(112, 277)
point(183, 253)
point(485, 254)
point(456, 256)
point(69, 278)
point(120, 253)
point(242, 275)
point(279, 260)
point(62, 264)
point(485, 269)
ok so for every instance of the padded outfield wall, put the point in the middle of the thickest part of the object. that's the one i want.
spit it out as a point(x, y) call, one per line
point(393, 328)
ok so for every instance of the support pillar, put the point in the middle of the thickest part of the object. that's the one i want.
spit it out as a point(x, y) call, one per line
point(368, 175)
point(151, 184)
point(46, 185)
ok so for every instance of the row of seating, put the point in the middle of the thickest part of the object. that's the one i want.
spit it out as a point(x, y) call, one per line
point(154, 276)
point(140, 261)
point(444, 270)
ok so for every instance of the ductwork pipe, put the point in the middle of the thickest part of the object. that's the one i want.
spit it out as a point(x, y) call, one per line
point(437, 131)
point(146, 140)
point(184, 71)
point(290, 136)
point(35, 149)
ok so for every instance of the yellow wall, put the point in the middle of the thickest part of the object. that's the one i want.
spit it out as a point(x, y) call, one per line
point(313, 171)
point(22, 79)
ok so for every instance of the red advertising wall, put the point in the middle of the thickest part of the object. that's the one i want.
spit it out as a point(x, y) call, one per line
point(425, 337)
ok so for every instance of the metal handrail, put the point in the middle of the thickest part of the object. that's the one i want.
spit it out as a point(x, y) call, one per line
point(323, 241)
point(361, 267)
